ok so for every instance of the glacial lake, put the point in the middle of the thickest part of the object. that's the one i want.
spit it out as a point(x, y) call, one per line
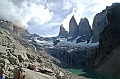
point(89, 73)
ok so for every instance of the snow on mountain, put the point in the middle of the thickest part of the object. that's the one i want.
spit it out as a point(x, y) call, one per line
point(64, 43)
point(44, 42)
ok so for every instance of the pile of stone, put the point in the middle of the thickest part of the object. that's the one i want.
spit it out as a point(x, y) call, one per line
point(15, 53)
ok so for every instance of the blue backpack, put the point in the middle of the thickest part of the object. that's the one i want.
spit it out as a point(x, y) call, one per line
point(1, 77)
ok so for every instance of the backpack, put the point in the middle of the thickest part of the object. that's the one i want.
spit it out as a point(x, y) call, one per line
point(1, 77)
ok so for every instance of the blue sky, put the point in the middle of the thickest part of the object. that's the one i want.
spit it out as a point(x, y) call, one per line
point(44, 17)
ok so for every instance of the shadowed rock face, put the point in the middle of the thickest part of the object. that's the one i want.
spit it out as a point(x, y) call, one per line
point(73, 28)
point(99, 22)
point(63, 32)
point(85, 29)
point(74, 57)
point(110, 37)
point(109, 44)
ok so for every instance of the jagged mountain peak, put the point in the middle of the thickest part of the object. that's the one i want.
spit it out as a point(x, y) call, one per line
point(84, 20)
point(62, 32)
point(73, 28)
point(85, 28)
point(73, 19)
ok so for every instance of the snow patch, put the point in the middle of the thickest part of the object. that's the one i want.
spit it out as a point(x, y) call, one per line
point(64, 43)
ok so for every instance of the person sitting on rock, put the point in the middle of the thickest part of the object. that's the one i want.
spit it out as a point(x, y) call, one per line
point(33, 67)
point(37, 69)
point(1, 73)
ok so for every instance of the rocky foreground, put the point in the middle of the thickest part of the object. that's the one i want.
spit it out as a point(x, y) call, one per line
point(16, 53)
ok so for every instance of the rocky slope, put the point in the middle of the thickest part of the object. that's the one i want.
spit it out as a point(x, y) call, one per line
point(16, 52)
point(109, 44)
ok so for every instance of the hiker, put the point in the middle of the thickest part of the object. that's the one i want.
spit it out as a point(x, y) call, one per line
point(32, 67)
point(1, 73)
point(36, 68)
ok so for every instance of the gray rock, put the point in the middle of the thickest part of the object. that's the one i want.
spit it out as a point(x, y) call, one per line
point(13, 60)
point(74, 57)
point(85, 29)
point(73, 28)
point(99, 22)
point(63, 32)
point(17, 52)
point(109, 44)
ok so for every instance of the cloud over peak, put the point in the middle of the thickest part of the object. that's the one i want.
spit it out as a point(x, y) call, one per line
point(22, 12)
point(40, 15)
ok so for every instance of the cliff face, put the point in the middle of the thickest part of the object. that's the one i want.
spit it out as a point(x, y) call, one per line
point(85, 29)
point(9, 25)
point(109, 44)
point(75, 57)
point(110, 37)
point(81, 32)
point(99, 22)
point(73, 28)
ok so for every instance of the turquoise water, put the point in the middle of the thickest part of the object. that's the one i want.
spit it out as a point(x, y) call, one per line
point(89, 73)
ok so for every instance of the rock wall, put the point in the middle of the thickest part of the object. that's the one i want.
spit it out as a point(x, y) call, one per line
point(99, 22)
point(73, 28)
point(12, 27)
point(85, 29)
point(75, 57)
point(109, 44)
point(109, 38)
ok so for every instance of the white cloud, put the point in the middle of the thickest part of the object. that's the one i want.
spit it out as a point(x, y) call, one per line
point(28, 11)
point(67, 19)
point(38, 13)
point(67, 5)
point(86, 8)
point(49, 5)
point(77, 12)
